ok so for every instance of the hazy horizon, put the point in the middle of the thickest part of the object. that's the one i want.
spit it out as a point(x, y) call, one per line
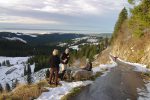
point(50, 31)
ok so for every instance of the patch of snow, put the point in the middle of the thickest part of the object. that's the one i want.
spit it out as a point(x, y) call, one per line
point(103, 67)
point(14, 39)
point(14, 60)
point(138, 67)
point(75, 47)
point(33, 35)
point(62, 44)
point(58, 92)
point(19, 34)
point(92, 40)
point(79, 39)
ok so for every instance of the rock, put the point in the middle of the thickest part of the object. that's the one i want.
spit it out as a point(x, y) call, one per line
point(82, 75)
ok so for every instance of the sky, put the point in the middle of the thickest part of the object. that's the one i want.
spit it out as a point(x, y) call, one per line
point(85, 16)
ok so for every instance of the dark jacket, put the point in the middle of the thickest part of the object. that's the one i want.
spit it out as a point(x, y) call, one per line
point(88, 66)
point(63, 57)
point(54, 62)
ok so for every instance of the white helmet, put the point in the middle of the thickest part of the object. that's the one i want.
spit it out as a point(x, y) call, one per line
point(67, 51)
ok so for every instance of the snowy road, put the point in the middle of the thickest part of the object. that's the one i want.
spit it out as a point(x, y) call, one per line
point(121, 83)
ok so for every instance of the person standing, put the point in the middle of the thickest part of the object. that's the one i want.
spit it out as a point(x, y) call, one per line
point(54, 65)
point(64, 60)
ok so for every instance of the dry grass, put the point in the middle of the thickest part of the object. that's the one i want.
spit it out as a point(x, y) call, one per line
point(26, 92)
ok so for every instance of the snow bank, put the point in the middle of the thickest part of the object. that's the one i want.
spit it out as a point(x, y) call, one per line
point(58, 92)
point(138, 67)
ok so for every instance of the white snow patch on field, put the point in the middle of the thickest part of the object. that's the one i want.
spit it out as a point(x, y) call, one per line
point(15, 71)
point(14, 39)
point(62, 44)
point(76, 47)
point(32, 35)
point(92, 40)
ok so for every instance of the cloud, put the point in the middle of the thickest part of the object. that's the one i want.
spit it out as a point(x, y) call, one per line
point(61, 12)
point(81, 7)
point(25, 20)
point(68, 7)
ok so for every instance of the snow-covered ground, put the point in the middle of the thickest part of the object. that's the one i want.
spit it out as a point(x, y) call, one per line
point(144, 94)
point(92, 40)
point(58, 92)
point(16, 71)
point(31, 35)
point(62, 44)
point(14, 39)
point(75, 47)
point(79, 41)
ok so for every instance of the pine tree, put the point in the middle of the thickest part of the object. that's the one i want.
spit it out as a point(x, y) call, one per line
point(3, 63)
point(29, 79)
point(7, 63)
point(139, 21)
point(1, 88)
point(25, 70)
point(106, 42)
point(122, 17)
point(8, 88)
point(47, 73)
point(14, 83)
point(29, 69)
point(29, 75)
